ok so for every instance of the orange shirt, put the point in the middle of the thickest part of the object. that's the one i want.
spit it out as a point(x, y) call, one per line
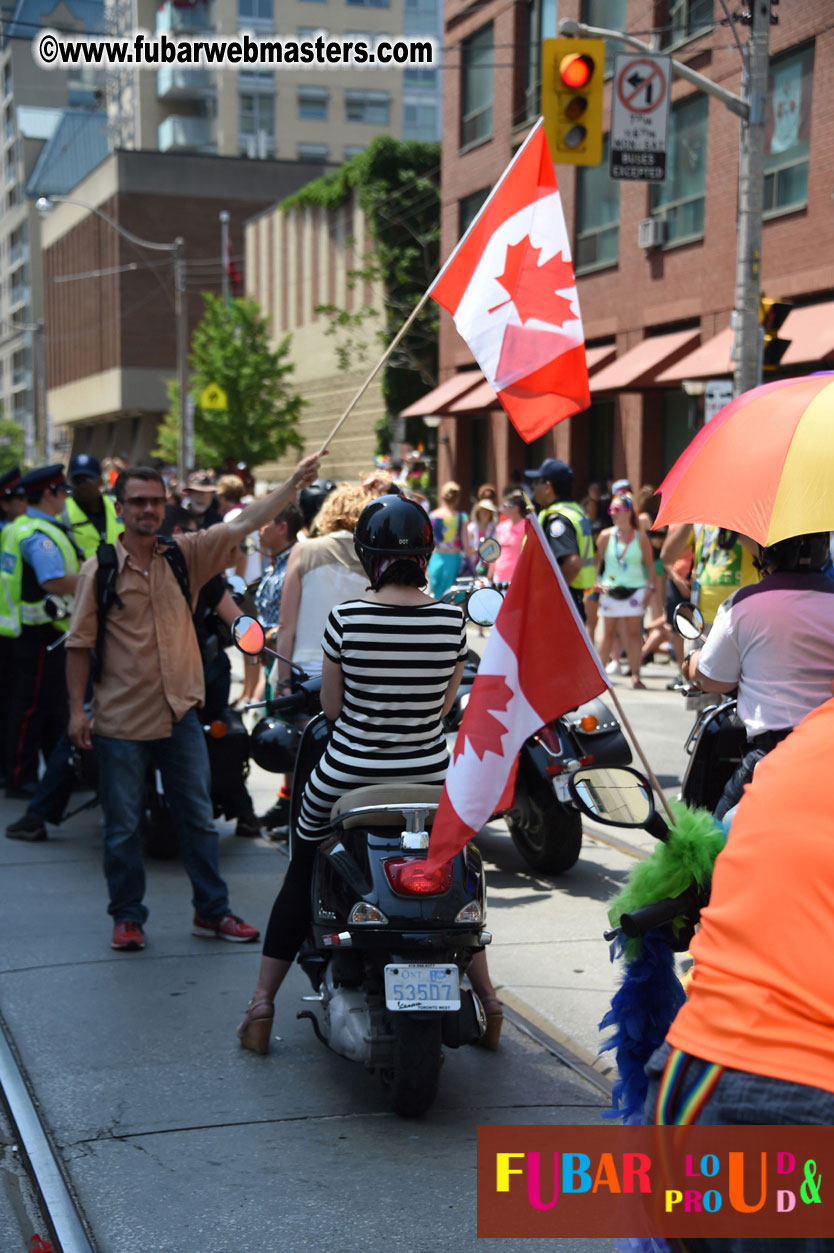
point(762, 992)
point(153, 672)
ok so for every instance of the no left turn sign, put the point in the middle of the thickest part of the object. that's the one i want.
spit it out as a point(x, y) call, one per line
point(640, 117)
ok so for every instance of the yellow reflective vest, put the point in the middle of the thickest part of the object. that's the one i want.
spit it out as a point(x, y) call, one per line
point(84, 532)
point(581, 524)
point(15, 612)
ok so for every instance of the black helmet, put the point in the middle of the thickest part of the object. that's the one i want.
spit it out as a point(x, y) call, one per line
point(311, 499)
point(802, 553)
point(273, 745)
point(392, 526)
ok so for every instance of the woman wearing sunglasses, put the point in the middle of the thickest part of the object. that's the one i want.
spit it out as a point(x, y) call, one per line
point(624, 563)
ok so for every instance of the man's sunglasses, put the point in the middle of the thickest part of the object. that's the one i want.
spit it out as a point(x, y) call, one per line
point(145, 502)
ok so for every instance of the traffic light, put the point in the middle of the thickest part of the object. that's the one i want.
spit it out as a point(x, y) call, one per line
point(772, 314)
point(573, 72)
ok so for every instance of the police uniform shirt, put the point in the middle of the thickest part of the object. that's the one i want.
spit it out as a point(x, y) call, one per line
point(41, 551)
point(561, 536)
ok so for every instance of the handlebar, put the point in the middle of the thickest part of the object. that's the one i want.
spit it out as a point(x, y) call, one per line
point(687, 905)
point(305, 699)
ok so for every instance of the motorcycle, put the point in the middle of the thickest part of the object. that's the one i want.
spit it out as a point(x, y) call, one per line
point(718, 739)
point(543, 822)
point(389, 942)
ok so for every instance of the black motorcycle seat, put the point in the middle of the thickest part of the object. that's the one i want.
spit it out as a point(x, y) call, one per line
point(381, 803)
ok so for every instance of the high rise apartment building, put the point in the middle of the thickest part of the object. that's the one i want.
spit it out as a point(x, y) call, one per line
point(312, 113)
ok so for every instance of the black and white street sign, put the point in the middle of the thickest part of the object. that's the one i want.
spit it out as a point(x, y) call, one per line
point(640, 117)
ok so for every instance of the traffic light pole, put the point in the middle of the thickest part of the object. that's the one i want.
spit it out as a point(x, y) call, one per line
point(751, 108)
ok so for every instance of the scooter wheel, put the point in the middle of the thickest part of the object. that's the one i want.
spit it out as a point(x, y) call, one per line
point(410, 1085)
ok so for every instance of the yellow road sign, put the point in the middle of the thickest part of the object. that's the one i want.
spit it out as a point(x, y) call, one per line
point(213, 397)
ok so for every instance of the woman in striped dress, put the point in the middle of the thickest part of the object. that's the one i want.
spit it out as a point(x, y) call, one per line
point(392, 664)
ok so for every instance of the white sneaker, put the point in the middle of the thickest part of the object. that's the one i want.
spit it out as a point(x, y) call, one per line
point(613, 667)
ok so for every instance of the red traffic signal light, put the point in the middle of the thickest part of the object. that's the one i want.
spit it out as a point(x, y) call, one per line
point(576, 71)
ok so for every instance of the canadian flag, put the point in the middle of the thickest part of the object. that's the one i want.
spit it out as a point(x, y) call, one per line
point(538, 663)
point(509, 286)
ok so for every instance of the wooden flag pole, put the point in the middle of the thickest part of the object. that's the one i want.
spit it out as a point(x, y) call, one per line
point(399, 335)
point(652, 777)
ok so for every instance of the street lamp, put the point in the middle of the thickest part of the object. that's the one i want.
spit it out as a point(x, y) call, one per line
point(44, 206)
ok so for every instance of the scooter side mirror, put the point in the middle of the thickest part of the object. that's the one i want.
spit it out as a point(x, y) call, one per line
point(489, 550)
point(248, 635)
point(483, 605)
point(688, 621)
point(617, 797)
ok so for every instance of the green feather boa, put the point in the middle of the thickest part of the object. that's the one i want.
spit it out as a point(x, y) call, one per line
point(695, 840)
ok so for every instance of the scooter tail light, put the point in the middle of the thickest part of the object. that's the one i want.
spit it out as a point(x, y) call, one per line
point(587, 760)
point(217, 729)
point(408, 876)
point(588, 722)
point(362, 912)
point(470, 913)
point(342, 939)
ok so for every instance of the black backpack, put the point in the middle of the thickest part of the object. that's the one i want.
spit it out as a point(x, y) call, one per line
point(107, 596)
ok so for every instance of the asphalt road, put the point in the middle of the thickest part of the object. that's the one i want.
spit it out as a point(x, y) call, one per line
point(175, 1140)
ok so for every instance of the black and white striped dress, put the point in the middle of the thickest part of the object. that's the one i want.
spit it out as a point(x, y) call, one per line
point(396, 662)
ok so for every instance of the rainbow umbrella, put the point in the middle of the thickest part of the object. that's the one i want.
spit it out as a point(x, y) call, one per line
point(763, 466)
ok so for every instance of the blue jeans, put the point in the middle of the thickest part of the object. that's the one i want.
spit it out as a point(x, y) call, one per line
point(182, 760)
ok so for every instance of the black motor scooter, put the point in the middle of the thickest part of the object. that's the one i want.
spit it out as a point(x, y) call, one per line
point(389, 941)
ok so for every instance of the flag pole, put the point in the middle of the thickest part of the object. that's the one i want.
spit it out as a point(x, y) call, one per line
point(641, 755)
point(399, 335)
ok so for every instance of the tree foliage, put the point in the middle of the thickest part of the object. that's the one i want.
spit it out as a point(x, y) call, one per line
point(230, 348)
point(11, 444)
point(396, 184)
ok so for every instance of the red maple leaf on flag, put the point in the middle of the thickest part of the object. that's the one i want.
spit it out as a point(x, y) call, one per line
point(532, 287)
point(490, 694)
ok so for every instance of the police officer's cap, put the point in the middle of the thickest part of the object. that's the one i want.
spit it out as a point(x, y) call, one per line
point(556, 472)
point(84, 466)
point(10, 484)
point(42, 477)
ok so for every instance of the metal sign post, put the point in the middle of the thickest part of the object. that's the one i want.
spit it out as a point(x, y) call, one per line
point(639, 117)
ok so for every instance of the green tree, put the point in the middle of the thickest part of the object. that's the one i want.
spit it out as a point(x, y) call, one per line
point(11, 444)
point(230, 348)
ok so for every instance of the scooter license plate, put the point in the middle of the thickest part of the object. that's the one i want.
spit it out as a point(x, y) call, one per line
point(422, 987)
point(560, 787)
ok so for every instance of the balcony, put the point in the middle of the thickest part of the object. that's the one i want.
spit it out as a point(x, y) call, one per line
point(181, 134)
point(175, 83)
point(184, 20)
point(18, 254)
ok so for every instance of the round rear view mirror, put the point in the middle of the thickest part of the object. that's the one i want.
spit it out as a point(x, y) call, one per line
point(483, 605)
point(489, 550)
point(618, 796)
point(688, 621)
point(248, 635)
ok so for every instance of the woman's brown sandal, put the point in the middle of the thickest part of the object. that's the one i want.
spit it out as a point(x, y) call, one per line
point(494, 1018)
point(254, 1033)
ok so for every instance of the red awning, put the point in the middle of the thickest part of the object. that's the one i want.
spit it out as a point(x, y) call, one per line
point(639, 367)
point(711, 360)
point(481, 397)
point(811, 332)
point(440, 397)
point(599, 356)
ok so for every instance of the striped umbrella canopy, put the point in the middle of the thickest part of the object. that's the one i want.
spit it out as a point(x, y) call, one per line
point(763, 466)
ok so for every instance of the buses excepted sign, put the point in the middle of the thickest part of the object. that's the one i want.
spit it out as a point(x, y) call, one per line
point(640, 117)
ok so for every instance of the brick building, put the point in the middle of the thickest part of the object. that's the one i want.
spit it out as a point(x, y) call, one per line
point(109, 305)
point(654, 318)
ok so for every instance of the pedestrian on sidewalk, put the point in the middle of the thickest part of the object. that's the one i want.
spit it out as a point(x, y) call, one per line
point(148, 684)
point(626, 584)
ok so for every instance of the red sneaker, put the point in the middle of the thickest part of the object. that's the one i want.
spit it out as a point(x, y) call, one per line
point(229, 928)
point(128, 937)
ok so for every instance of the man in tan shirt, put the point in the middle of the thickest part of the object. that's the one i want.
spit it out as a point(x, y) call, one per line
point(144, 702)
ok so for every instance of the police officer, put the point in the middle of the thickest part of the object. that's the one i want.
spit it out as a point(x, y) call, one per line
point(12, 505)
point(89, 516)
point(566, 525)
point(38, 559)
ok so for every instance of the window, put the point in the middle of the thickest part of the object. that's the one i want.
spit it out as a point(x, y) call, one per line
point(368, 106)
point(256, 80)
point(420, 121)
point(312, 152)
point(476, 67)
point(788, 131)
point(313, 102)
point(370, 4)
point(421, 15)
point(468, 208)
point(353, 150)
point(257, 125)
point(527, 80)
point(681, 197)
point(684, 19)
point(611, 15)
point(427, 79)
point(254, 11)
point(680, 422)
point(597, 216)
